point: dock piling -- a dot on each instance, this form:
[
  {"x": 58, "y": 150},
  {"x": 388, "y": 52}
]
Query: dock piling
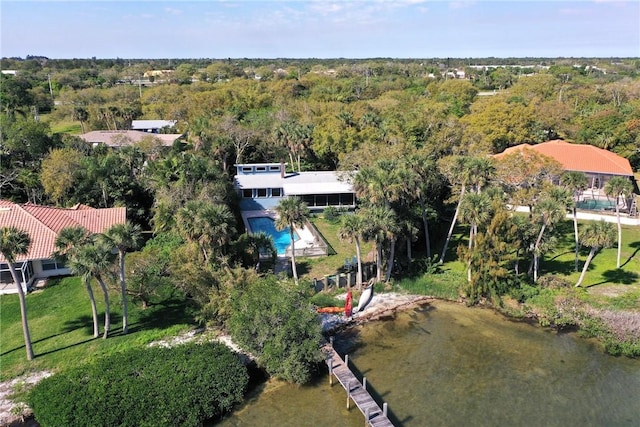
[{"x": 375, "y": 416}]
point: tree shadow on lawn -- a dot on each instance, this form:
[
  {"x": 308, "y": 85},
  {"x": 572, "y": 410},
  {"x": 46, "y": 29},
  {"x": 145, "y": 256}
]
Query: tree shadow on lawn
[
  {"x": 172, "y": 311},
  {"x": 44, "y": 353},
  {"x": 635, "y": 245},
  {"x": 619, "y": 276},
  {"x": 302, "y": 267},
  {"x": 561, "y": 254},
  {"x": 86, "y": 322},
  {"x": 556, "y": 266}
]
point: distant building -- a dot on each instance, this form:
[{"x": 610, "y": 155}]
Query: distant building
[
  {"x": 152, "y": 126},
  {"x": 120, "y": 138}
]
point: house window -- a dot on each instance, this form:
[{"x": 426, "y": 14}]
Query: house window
[
  {"x": 50, "y": 264},
  {"x": 276, "y": 192},
  {"x": 274, "y": 168},
  {"x": 262, "y": 192},
  {"x": 334, "y": 199},
  {"x": 247, "y": 169},
  {"x": 261, "y": 168},
  {"x": 247, "y": 193},
  {"x": 346, "y": 199}
]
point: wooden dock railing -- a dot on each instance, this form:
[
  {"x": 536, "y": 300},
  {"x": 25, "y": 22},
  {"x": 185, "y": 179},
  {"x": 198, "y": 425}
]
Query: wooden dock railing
[{"x": 374, "y": 416}]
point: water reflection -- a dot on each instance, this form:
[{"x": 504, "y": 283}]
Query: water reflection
[{"x": 448, "y": 365}]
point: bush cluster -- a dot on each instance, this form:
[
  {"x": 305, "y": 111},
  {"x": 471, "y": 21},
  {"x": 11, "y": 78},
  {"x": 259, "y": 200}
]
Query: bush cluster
[
  {"x": 273, "y": 320},
  {"x": 156, "y": 386}
]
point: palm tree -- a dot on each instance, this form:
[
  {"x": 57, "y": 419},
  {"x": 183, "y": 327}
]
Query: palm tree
[
  {"x": 209, "y": 225},
  {"x": 124, "y": 237},
  {"x": 89, "y": 260},
  {"x": 77, "y": 266},
  {"x": 380, "y": 226},
  {"x": 474, "y": 209},
  {"x": 68, "y": 240},
  {"x": 425, "y": 182},
  {"x": 82, "y": 115},
  {"x": 220, "y": 226},
  {"x": 596, "y": 235},
  {"x": 576, "y": 182},
  {"x": 13, "y": 243},
  {"x": 257, "y": 244},
  {"x": 618, "y": 186},
  {"x": 548, "y": 211},
  {"x": 465, "y": 171},
  {"x": 199, "y": 132},
  {"x": 292, "y": 212},
  {"x": 352, "y": 229}
]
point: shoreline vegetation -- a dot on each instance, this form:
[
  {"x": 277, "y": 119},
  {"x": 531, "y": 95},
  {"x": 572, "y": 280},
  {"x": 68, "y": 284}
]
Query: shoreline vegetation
[{"x": 605, "y": 325}]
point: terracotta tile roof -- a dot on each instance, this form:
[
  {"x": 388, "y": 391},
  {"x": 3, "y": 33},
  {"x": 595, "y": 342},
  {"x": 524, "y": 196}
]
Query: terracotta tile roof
[
  {"x": 43, "y": 223},
  {"x": 578, "y": 157}
]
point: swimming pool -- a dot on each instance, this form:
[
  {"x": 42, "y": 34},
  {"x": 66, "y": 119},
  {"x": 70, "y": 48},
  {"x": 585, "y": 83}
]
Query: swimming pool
[
  {"x": 281, "y": 238},
  {"x": 595, "y": 204}
]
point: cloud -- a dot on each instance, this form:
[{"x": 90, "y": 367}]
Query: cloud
[{"x": 172, "y": 11}]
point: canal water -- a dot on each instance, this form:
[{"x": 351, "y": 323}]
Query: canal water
[{"x": 448, "y": 365}]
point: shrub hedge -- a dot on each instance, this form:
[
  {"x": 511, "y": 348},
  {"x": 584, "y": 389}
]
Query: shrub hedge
[{"x": 154, "y": 386}]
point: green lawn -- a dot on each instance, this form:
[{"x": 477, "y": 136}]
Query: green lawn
[
  {"x": 65, "y": 126},
  {"x": 60, "y": 315},
  {"x": 321, "y": 266},
  {"x": 602, "y": 269},
  {"x": 62, "y": 330}
]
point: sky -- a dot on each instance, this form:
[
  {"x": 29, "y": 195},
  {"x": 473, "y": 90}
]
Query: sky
[{"x": 320, "y": 29}]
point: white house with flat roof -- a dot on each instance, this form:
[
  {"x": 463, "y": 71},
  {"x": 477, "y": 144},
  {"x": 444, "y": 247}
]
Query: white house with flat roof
[
  {"x": 261, "y": 186},
  {"x": 152, "y": 126}
]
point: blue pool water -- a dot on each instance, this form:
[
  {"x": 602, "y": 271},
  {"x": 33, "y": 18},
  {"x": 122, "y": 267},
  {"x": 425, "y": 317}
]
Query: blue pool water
[
  {"x": 595, "y": 204},
  {"x": 281, "y": 238}
]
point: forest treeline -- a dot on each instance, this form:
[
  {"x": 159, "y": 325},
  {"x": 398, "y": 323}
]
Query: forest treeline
[
  {"x": 317, "y": 114},
  {"x": 415, "y": 135}
]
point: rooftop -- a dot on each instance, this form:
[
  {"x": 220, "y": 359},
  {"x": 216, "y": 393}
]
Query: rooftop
[
  {"x": 299, "y": 183},
  {"x": 43, "y": 223},
  {"x": 119, "y": 138},
  {"x": 151, "y": 124},
  {"x": 578, "y": 157}
]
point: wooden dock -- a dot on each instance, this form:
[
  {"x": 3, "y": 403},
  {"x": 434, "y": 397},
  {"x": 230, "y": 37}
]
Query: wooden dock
[{"x": 374, "y": 416}]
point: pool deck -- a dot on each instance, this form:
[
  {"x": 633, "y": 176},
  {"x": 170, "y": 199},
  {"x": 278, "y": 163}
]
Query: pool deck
[{"x": 307, "y": 240}]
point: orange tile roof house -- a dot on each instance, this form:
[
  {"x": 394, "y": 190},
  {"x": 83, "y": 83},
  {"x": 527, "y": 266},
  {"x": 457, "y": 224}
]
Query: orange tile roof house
[
  {"x": 599, "y": 165},
  {"x": 43, "y": 224}
]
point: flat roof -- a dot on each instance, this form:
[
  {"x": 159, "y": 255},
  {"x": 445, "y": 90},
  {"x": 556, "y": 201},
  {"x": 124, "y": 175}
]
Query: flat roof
[{"x": 296, "y": 183}]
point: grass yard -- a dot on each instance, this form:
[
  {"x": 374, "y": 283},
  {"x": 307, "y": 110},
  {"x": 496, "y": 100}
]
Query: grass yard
[
  {"x": 60, "y": 315},
  {"x": 72, "y": 128},
  {"x": 321, "y": 266},
  {"x": 66, "y": 126},
  {"x": 602, "y": 269},
  {"x": 61, "y": 327}
]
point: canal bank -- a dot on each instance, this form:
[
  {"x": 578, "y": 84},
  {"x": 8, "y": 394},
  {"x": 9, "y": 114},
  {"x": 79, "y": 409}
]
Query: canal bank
[{"x": 444, "y": 364}]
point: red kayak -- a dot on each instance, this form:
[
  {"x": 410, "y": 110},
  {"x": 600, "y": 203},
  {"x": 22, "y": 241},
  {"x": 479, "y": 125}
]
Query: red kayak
[
  {"x": 330, "y": 309},
  {"x": 347, "y": 309}
]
